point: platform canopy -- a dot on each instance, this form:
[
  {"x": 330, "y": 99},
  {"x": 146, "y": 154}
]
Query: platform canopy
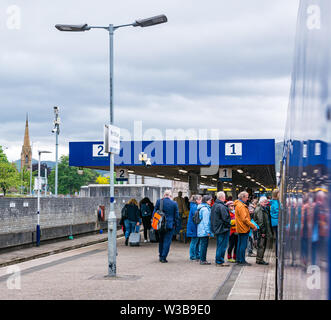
[{"x": 251, "y": 162}]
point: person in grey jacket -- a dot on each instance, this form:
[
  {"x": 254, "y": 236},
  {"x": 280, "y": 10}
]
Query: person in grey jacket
[{"x": 220, "y": 226}]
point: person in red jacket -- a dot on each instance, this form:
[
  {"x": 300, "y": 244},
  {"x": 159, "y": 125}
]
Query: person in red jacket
[{"x": 233, "y": 240}]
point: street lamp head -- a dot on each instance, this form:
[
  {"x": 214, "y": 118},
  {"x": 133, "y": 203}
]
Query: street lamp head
[
  {"x": 73, "y": 28},
  {"x": 43, "y": 151},
  {"x": 150, "y": 21}
]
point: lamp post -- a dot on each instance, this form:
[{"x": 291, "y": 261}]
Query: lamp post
[
  {"x": 112, "y": 225},
  {"x": 38, "y": 203},
  {"x": 56, "y": 130},
  {"x": 31, "y": 170}
]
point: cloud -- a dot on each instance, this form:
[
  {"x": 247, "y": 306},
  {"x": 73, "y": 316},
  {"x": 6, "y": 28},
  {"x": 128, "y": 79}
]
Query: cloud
[{"x": 215, "y": 64}]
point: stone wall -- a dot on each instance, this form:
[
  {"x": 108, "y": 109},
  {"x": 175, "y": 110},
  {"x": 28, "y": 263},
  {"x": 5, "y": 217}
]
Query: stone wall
[
  {"x": 61, "y": 217},
  {"x": 58, "y": 218}
]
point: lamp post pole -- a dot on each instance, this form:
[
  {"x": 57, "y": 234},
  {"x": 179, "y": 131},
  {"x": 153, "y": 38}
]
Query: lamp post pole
[
  {"x": 31, "y": 171},
  {"x": 112, "y": 222},
  {"x": 38, "y": 201}
]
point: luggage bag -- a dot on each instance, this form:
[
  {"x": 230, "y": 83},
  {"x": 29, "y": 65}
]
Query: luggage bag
[
  {"x": 134, "y": 239},
  {"x": 153, "y": 235}
]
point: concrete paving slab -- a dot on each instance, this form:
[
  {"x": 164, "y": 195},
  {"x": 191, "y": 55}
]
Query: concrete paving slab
[{"x": 73, "y": 270}]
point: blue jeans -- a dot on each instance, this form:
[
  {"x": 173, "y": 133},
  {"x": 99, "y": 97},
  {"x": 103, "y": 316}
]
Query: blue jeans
[
  {"x": 129, "y": 227},
  {"x": 241, "y": 247},
  {"x": 203, "y": 248},
  {"x": 222, "y": 244},
  {"x": 194, "y": 248},
  {"x": 165, "y": 239}
]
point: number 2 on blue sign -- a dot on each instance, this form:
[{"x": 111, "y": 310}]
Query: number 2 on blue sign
[{"x": 100, "y": 152}]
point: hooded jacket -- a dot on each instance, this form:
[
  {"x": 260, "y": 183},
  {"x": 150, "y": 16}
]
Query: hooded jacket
[
  {"x": 243, "y": 218},
  {"x": 204, "y": 226},
  {"x": 220, "y": 218}
]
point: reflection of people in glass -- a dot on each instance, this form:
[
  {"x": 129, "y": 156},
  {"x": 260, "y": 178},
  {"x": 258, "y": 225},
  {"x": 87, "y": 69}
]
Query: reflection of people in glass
[
  {"x": 298, "y": 225},
  {"x": 319, "y": 228},
  {"x": 304, "y": 230},
  {"x": 292, "y": 229}
]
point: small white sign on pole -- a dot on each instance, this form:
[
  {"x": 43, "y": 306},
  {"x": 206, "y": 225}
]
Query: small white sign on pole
[{"x": 112, "y": 142}]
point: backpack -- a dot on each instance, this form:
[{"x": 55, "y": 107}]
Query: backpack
[
  {"x": 159, "y": 220},
  {"x": 145, "y": 210},
  {"x": 196, "y": 217},
  {"x": 124, "y": 212}
]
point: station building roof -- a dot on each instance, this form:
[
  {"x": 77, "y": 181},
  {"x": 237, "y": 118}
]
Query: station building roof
[{"x": 252, "y": 160}]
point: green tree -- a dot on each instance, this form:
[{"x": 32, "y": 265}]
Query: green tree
[
  {"x": 3, "y": 157},
  {"x": 69, "y": 180},
  {"x": 9, "y": 176},
  {"x": 25, "y": 179}
]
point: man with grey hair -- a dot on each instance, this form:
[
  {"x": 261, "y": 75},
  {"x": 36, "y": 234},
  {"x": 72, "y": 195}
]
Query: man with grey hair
[
  {"x": 220, "y": 226},
  {"x": 262, "y": 219},
  {"x": 170, "y": 209}
]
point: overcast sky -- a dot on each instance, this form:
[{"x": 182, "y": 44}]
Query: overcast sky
[{"x": 216, "y": 64}]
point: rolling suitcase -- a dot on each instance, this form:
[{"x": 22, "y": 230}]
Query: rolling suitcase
[{"x": 134, "y": 239}]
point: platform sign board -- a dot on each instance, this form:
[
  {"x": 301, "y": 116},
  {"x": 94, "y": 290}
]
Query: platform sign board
[
  {"x": 98, "y": 150},
  {"x": 122, "y": 174},
  {"x": 225, "y": 174},
  {"x": 233, "y": 149},
  {"x": 225, "y": 153}
]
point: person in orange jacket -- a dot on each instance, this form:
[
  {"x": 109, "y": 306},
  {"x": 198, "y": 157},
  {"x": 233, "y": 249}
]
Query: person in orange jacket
[{"x": 243, "y": 224}]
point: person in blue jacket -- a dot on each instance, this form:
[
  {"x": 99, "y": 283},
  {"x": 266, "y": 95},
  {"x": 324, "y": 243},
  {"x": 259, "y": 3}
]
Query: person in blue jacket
[
  {"x": 204, "y": 227},
  {"x": 170, "y": 209},
  {"x": 192, "y": 229}
]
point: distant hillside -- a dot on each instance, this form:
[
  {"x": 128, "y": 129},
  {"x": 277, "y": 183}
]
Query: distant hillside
[{"x": 50, "y": 164}]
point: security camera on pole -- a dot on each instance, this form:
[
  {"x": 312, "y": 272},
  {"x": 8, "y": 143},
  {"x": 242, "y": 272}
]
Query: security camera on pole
[{"x": 56, "y": 130}]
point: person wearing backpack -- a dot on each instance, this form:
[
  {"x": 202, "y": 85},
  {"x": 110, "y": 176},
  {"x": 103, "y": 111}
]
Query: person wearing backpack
[
  {"x": 192, "y": 228},
  {"x": 171, "y": 213},
  {"x": 220, "y": 226},
  {"x": 131, "y": 217},
  {"x": 204, "y": 227},
  {"x": 146, "y": 209}
]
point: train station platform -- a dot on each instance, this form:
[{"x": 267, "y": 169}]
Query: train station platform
[{"x": 140, "y": 276}]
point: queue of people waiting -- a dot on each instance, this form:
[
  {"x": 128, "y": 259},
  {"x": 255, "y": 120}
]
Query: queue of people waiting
[{"x": 237, "y": 225}]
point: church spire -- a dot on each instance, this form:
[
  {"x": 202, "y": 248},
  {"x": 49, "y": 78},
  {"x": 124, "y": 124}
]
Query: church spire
[{"x": 26, "y": 154}]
